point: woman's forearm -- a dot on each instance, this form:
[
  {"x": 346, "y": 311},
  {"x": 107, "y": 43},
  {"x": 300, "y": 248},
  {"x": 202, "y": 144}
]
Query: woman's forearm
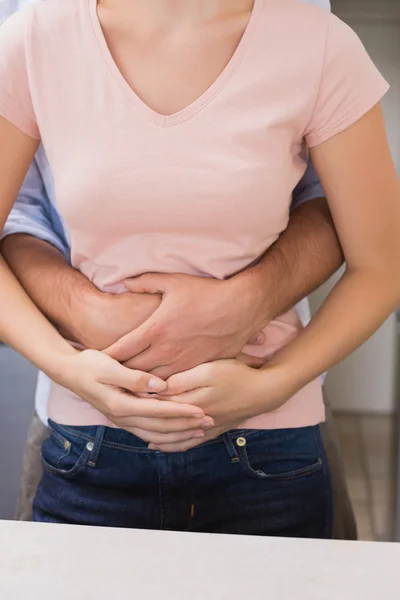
[
  {"x": 356, "y": 307},
  {"x": 23, "y": 327},
  {"x": 358, "y": 175}
]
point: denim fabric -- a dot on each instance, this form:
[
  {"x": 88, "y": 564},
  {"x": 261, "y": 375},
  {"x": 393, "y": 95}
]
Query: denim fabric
[{"x": 273, "y": 482}]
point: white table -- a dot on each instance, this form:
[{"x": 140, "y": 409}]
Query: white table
[{"x": 58, "y": 562}]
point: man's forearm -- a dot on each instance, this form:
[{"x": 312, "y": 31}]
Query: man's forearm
[
  {"x": 55, "y": 287},
  {"x": 302, "y": 259}
]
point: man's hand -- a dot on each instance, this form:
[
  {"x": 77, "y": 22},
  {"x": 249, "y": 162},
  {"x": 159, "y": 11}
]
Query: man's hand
[
  {"x": 201, "y": 320},
  {"x": 198, "y": 321},
  {"x": 101, "y": 319}
]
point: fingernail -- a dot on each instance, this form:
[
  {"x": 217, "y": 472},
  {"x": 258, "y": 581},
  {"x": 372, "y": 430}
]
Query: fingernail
[
  {"x": 198, "y": 435},
  {"x": 208, "y": 423},
  {"x": 260, "y": 338},
  {"x": 156, "y": 384},
  {"x": 152, "y": 447},
  {"x": 197, "y": 415}
]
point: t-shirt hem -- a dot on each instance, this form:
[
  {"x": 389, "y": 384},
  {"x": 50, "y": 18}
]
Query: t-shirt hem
[
  {"x": 286, "y": 420},
  {"x": 349, "y": 119}
]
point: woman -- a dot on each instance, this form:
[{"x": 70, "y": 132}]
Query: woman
[{"x": 179, "y": 109}]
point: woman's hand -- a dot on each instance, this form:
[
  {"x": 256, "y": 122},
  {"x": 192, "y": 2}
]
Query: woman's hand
[
  {"x": 189, "y": 444},
  {"x": 226, "y": 390},
  {"x": 110, "y": 388}
]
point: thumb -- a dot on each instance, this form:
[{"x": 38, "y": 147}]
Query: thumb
[
  {"x": 188, "y": 380},
  {"x": 151, "y": 283},
  {"x": 134, "y": 381},
  {"x": 131, "y": 344}
]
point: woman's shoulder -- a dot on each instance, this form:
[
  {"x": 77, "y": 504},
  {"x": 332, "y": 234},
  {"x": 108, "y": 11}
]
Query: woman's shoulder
[
  {"x": 43, "y": 30},
  {"x": 303, "y": 33},
  {"x": 297, "y": 13}
]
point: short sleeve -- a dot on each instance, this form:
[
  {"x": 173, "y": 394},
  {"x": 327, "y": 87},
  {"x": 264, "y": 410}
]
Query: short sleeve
[
  {"x": 15, "y": 97},
  {"x": 350, "y": 85}
]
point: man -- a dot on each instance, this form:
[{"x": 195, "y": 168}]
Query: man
[{"x": 159, "y": 326}]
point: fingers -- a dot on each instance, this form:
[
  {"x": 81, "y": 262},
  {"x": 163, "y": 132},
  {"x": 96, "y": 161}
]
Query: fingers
[
  {"x": 124, "y": 405},
  {"x": 166, "y": 371},
  {"x": 180, "y": 446},
  {"x": 134, "y": 381},
  {"x": 171, "y": 426},
  {"x": 184, "y": 446},
  {"x": 178, "y": 437},
  {"x": 147, "y": 361},
  {"x": 194, "y": 397},
  {"x": 151, "y": 283},
  {"x": 200, "y": 376},
  {"x": 131, "y": 344},
  {"x": 251, "y": 361}
]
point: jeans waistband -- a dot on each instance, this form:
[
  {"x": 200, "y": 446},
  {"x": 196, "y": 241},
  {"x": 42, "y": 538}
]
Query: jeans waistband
[{"x": 120, "y": 438}]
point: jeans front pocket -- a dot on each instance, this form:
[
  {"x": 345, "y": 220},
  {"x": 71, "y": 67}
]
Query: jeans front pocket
[
  {"x": 280, "y": 455},
  {"x": 277, "y": 483},
  {"x": 64, "y": 454}
]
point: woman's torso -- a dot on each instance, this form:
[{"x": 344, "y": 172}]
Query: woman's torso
[{"x": 204, "y": 191}]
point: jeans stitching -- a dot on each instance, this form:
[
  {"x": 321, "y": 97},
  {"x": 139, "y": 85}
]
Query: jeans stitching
[
  {"x": 90, "y": 438},
  {"x": 309, "y": 470},
  {"x": 81, "y": 462},
  {"x": 314, "y": 468},
  {"x": 65, "y": 444},
  {"x": 94, "y": 454},
  {"x": 58, "y": 436},
  {"x": 230, "y": 448}
]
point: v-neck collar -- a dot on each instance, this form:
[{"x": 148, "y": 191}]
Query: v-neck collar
[{"x": 195, "y": 106}]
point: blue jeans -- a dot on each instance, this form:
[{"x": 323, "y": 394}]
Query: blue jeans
[{"x": 273, "y": 482}]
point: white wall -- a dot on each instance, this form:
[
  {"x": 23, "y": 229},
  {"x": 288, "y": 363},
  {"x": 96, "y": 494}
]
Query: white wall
[{"x": 366, "y": 380}]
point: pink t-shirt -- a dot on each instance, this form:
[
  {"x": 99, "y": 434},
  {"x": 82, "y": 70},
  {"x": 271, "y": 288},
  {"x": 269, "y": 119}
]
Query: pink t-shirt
[{"x": 205, "y": 191}]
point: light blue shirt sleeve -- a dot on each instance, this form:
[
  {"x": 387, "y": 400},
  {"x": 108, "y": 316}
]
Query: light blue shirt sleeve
[
  {"x": 34, "y": 212},
  {"x": 8, "y": 7},
  {"x": 308, "y": 188},
  {"x": 325, "y": 4}
]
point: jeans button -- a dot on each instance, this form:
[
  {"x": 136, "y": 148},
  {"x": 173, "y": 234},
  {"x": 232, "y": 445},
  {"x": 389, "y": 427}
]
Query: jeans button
[
  {"x": 241, "y": 441},
  {"x": 89, "y": 446}
]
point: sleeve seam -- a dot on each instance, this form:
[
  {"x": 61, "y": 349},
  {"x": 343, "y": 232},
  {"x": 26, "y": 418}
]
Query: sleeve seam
[
  {"x": 25, "y": 125},
  {"x": 346, "y": 120},
  {"x": 38, "y": 233}
]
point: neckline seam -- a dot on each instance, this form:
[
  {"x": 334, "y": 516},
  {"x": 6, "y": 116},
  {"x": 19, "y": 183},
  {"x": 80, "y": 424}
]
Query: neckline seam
[{"x": 186, "y": 113}]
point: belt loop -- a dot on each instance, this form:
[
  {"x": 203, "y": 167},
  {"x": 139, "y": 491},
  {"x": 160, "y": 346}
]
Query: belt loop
[
  {"x": 230, "y": 448},
  {"x": 95, "y": 451}
]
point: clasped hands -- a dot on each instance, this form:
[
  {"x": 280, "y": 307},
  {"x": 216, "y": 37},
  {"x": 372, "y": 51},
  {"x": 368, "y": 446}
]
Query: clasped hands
[{"x": 174, "y": 381}]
